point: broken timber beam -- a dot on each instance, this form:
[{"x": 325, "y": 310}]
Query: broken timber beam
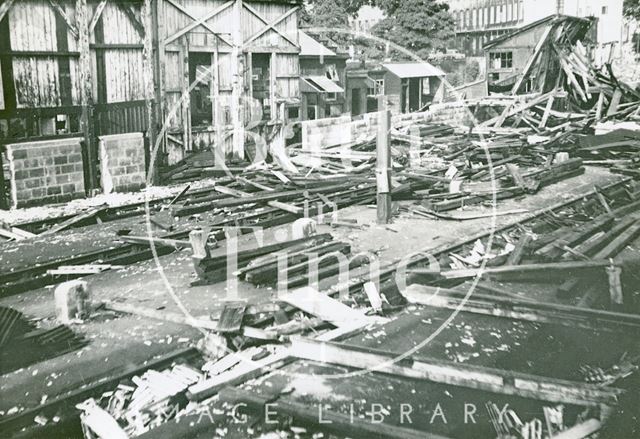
[
  {"x": 456, "y": 374},
  {"x": 527, "y": 271},
  {"x": 206, "y": 389},
  {"x": 502, "y": 303},
  {"x": 330, "y": 421}
]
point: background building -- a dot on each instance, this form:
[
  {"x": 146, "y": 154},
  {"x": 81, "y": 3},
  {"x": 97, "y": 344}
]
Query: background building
[
  {"x": 479, "y": 21},
  {"x": 368, "y": 16}
]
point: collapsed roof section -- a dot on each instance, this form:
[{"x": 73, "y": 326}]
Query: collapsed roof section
[{"x": 561, "y": 43}]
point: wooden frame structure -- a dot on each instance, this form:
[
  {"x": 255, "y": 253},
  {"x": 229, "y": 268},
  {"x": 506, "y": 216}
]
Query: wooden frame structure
[
  {"x": 232, "y": 34},
  {"x": 85, "y": 68},
  {"x": 76, "y": 68}
]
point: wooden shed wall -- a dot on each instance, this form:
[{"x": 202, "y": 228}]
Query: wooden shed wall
[
  {"x": 124, "y": 70},
  {"x": 37, "y": 79},
  {"x": 176, "y": 17}
]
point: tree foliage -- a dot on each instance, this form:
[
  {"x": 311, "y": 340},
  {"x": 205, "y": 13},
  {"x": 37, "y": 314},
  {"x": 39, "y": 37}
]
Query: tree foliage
[
  {"x": 632, "y": 9},
  {"x": 328, "y": 14},
  {"x": 421, "y": 26}
]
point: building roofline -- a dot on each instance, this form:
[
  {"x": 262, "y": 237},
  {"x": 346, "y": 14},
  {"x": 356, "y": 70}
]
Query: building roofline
[{"x": 550, "y": 18}]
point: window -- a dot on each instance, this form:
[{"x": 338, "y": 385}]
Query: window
[
  {"x": 501, "y": 60},
  {"x": 331, "y": 72},
  {"x": 293, "y": 112},
  {"x": 521, "y": 10},
  {"x": 331, "y": 96},
  {"x": 604, "y": 10},
  {"x": 378, "y": 89},
  {"x": 426, "y": 86}
]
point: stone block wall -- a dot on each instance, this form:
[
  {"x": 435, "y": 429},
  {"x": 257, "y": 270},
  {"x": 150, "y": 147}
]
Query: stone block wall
[
  {"x": 48, "y": 171},
  {"x": 122, "y": 162}
]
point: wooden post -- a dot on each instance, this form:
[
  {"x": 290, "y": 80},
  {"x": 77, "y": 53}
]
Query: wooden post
[
  {"x": 272, "y": 86},
  {"x": 218, "y": 147},
  {"x": 383, "y": 166},
  {"x": 160, "y": 34},
  {"x": 3, "y": 188},
  {"x": 86, "y": 98},
  {"x": 198, "y": 239},
  {"x": 237, "y": 72},
  {"x": 147, "y": 66},
  {"x": 185, "y": 97}
]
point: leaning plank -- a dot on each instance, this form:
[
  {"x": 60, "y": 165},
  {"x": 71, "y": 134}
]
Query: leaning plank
[
  {"x": 320, "y": 305},
  {"x": 457, "y": 374},
  {"x": 525, "y": 271},
  {"x": 149, "y": 240},
  {"x": 15, "y": 233},
  {"x": 532, "y": 59},
  {"x": 620, "y": 242},
  {"x": 165, "y": 316},
  {"x": 331, "y": 421},
  {"x": 518, "y": 308},
  {"x": 72, "y": 221},
  {"x": 182, "y": 319},
  {"x": 580, "y": 431}
]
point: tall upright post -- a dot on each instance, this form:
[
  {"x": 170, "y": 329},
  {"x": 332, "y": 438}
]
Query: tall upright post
[
  {"x": 149, "y": 92},
  {"x": 86, "y": 99},
  {"x": 237, "y": 70},
  {"x": 383, "y": 164}
]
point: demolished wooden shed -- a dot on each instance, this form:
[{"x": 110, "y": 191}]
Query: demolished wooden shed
[{"x": 190, "y": 74}]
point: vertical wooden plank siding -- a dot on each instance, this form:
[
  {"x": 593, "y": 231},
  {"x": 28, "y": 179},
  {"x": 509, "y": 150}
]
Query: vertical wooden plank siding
[{"x": 64, "y": 67}]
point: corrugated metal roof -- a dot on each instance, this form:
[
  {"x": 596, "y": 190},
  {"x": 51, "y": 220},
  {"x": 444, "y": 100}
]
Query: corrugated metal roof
[
  {"x": 413, "y": 70},
  {"x": 323, "y": 84},
  {"x": 311, "y": 47}
]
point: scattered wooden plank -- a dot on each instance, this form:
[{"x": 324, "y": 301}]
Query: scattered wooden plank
[
  {"x": 620, "y": 242},
  {"x": 72, "y": 221},
  {"x": 330, "y": 421},
  {"x": 457, "y": 374},
  {"x": 80, "y": 269},
  {"x": 161, "y": 242},
  {"x": 615, "y": 102},
  {"x": 583, "y": 430},
  {"x": 309, "y": 300},
  {"x": 231, "y": 317},
  {"x": 166, "y": 316},
  {"x": 15, "y": 233},
  {"x": 373, "y": 295},
  {"x": 254, "y": 369},
  {"x": 521, "y": 246},
  {"x": 255, "y": 184}
]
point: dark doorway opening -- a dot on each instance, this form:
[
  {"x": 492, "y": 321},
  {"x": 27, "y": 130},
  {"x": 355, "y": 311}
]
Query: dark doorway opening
[
  {"x": 201, "y": 76},
  {"x": 260, "y": 81}
]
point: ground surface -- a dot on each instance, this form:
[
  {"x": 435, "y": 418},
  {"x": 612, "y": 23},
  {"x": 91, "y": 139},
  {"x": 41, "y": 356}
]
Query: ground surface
[{"x": 117, "y": 341}]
